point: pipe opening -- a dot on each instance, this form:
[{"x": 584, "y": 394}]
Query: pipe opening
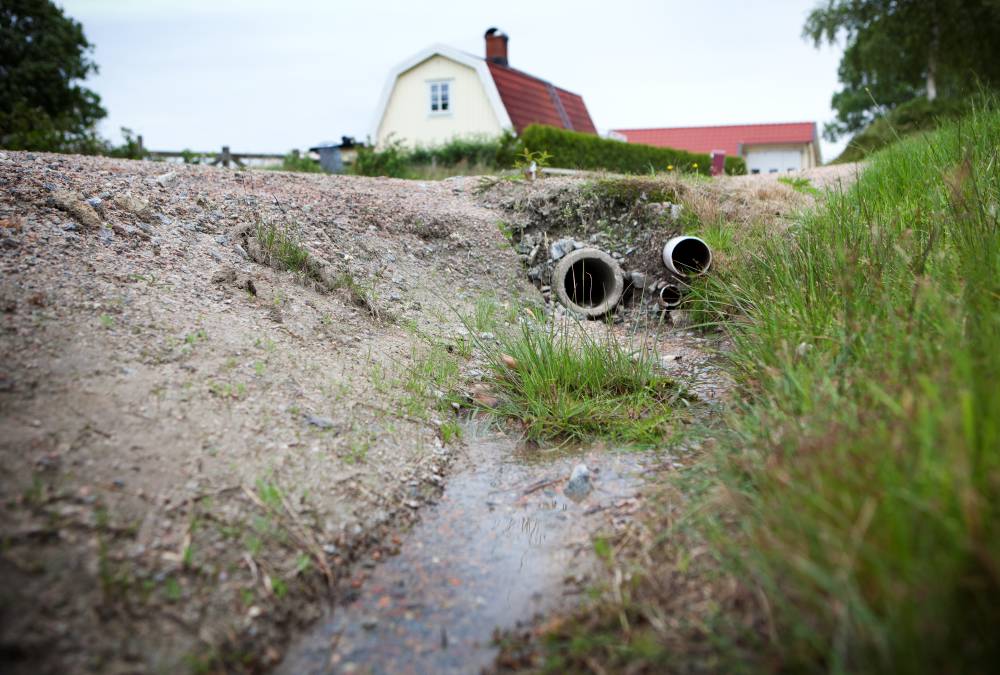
[
  {"x": 588, "y": 282},
  {"x": 687, "y": 256},
  {"x": 670, "y": 296}
]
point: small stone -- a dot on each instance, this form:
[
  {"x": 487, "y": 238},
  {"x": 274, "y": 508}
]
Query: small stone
[
  {"x": 321, "y": 422},
  {"x": 167, "y": 179},
  {"x": 369, "y": 624},
  {"x": 579, "y": 485},
  {"x": 638, "y": 279},
  {"x": 561, "y": 247}
]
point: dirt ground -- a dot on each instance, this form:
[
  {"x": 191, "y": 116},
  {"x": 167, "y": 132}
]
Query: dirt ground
[
  {"x": 184, "y": 463},
  {"x": 199, "y": 451}
]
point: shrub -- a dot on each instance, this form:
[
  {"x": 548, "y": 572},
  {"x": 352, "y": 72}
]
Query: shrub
[
  {"x": 392, "y": 161},
  {"x": 480, "y": 150},
  {"x": 296, "y": 161},
  {"x": 574, "y": 150}
]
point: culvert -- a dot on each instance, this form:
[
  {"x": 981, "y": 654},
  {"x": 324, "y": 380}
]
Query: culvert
[
  {"x": 589, "y": 282},
  {"x": 687, "y": 256}
]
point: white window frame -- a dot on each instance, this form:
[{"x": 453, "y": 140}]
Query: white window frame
[{"x": 434, "y": 89}]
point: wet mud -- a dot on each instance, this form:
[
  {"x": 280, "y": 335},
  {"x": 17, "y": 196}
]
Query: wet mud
[{"x": 505, "y": 542}]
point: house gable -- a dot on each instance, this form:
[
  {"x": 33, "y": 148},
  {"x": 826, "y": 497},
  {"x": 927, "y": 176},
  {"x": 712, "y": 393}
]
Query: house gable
[{"x": 476, "y": 107}]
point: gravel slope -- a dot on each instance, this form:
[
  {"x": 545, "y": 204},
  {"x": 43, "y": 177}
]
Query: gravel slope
[{"x": 197, "y": 449}]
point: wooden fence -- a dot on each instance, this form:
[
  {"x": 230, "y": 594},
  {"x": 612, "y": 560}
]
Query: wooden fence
[{"x": 225, "y": 157}]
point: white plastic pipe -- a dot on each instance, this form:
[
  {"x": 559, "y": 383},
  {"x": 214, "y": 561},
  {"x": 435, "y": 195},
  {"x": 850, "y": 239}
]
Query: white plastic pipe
[
  {"x": 670, "y": 296},
  {"x": 687, "y": 256}
]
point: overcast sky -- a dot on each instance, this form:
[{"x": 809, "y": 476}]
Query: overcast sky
[{"x": 271, "y": 75}]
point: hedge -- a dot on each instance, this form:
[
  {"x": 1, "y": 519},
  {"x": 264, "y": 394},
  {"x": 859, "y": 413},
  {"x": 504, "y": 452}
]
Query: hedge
[{"x": 574, "y": 150}]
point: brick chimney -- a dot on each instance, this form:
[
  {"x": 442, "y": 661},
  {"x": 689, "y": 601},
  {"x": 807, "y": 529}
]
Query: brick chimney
[{"x": 496, "y": 46}]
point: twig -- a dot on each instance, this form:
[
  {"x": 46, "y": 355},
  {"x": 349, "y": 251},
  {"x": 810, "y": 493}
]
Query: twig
[{"x": 544, "y": 483}]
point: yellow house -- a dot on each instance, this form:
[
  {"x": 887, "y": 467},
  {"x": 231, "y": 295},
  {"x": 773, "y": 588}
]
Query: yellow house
[{"x": 441, "y": 92}]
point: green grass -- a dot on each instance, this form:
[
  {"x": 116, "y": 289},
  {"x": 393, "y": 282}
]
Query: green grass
[
  {"x": 848, "y": 518},
  {"x": 282, "y": 248},
  {"x": 568, "y": 385},
  {"x": 867, "y": 467}
]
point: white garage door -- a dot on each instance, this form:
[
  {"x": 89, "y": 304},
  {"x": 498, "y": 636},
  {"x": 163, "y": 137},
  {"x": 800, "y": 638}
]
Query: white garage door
[{"x": 773, "y": 161}]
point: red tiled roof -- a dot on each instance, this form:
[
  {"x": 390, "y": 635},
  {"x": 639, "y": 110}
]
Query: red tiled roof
[
  {"x": 529, "y": 100},
  {"x": 728, "y": 138}
]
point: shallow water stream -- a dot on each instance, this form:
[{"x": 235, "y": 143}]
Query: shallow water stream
[{"x": 497, "y": 548}]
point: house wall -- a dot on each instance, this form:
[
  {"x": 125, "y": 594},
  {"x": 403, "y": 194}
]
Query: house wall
[
  {"x": 764, "y": 158},
  {"x": 408, "y": 118}
]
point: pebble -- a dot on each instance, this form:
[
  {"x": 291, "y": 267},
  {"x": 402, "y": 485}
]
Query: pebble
[
  {"x": 561, "y": 247},
  {"x": 579, "y": 485},
  {"x": 167, "y": 179},
  {"x": 321, "y": 422}
]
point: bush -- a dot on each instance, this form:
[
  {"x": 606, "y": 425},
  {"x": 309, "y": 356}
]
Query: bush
[
  {"x": 392, "y": 161},
  {"x": 296, "y": 161},
  {"x": 494, "y": 152},
  {"x": 574, "y": 150}
]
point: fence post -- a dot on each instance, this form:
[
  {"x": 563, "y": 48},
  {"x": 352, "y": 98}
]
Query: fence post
[{"x": 225, "y": 157}]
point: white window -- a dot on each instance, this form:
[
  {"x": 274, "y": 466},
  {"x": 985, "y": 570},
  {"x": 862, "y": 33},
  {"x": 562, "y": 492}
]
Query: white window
[{"x": 440, "y": 95}]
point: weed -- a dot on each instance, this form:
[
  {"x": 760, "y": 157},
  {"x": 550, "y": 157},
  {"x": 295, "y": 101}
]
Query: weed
[
  {"x": 172, "y": 590},
  {"x": 281, "y": 247},
  {"x": 800, "y": 184},
  {"x": 269, "y": 493},
  {"x": 484, "y": 317},
  {"x": 361, "y": 295},
  {"x": 450, "y": 431},
  {"x": 194, "y": 338},
  {"x": 107, "y": 321},
  {"x": 573, "y": 386}
]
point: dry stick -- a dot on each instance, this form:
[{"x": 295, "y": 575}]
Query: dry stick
[{"x": 544, "y": 483}]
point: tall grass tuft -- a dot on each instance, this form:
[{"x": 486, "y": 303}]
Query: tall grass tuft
[
  {"x": 566, "y": 384},
  {"x": 865, "y": 467}
]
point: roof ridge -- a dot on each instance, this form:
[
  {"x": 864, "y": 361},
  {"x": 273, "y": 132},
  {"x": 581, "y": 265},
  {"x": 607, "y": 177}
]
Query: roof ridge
[
  {"x": 715, "y": 126},
  {"x": 557, "y": 101}
]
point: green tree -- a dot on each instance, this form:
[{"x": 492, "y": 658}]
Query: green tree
[
  {"x": 43, "y": 57},
  {"x": 899, "y": 50}
]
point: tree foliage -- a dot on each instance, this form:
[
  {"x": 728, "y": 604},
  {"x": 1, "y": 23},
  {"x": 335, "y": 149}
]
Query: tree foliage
[
  {"x": 898, "y": 50},
  {"x": 44, "y": 56}
]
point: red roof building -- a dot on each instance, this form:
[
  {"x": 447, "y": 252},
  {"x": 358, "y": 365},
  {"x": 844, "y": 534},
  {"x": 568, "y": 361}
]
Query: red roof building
[
  {"x": 767, "y": 148},
  {"x": 442, "y": 93}
]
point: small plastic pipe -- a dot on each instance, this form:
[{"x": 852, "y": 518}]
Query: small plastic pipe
[
  {"x": 687, "y": 256},
  {"x": 670, "y": 296}
]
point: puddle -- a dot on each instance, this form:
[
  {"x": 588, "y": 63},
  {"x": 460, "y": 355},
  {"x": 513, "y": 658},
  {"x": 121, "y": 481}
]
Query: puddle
[{"x": 497, "y": 548}]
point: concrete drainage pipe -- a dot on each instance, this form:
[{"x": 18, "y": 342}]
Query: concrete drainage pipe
[
  {"x": 687, "y": 256},
  {"x": 589, "y": 282}
]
